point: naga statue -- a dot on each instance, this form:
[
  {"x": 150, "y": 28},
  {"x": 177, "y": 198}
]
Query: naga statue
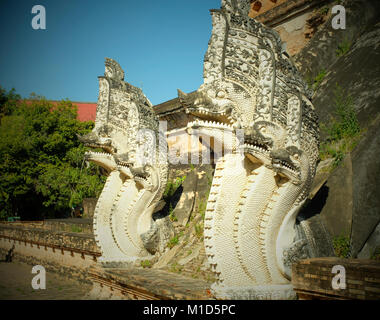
[
  {"x": 134, "y": 156},
  {"x": 251, "y": 85},
  {"x": 253, "y": 93}
]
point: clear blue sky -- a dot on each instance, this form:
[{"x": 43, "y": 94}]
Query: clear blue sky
[{"x": 159, "y": 44}]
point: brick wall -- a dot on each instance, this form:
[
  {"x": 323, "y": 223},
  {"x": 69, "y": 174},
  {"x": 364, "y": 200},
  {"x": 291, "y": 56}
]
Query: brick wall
[{"x": 312, "y": 279}]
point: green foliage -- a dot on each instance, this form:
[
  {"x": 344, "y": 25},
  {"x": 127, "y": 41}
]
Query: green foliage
[
  {"x": 343, "y": 131},
  {"x": 318, "y": 79},
  {"x": 315, "y": 82},
  {"x": 202, "y": 207},
  {"x": 67, "y": 183},
  {"x": 347, "y": 124},
  {"x": 172, "y": 186},
  {"x": 172, "y": 216},
  {"x": 173, "y": 241},
  {"x": 343, "y": 48},
  {"x": 8, "y": 101},
  {"x": 209, "y": 181},
  {"x": 324, "y": 10},
  {"x": 376, "y": 254},
  {"x": 175, "y": 267},
  {"x": 42, "y": 168},
  {"x": 76, "y": 229},
  {"x": 342, "y": 246},
  {"x": 146, "y": 264},
  {"x": 198, "y": 230}
]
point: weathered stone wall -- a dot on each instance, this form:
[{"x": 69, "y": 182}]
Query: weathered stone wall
[
  {"x": 79, "y": 241},
  {"x": 67, "y": 253},
  {"x": 320, "y": 52},
  {"x": 75, "y": 225},
  {"x": 349, "y": 203},
  {"x": 89, "y": 205},
  {"x": 71, "y": 266},
  {"x": 352, "y": 204},
  {"x": 262, "y": 6},
  {"x": 295, "y": 20},
  {"x": 312, "y": 279}
]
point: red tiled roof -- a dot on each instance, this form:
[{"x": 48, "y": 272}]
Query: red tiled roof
[{"x": 86, "y": 111}]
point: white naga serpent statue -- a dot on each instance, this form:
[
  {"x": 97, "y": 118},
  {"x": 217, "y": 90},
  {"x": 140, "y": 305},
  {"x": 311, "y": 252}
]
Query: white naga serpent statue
[
  {"x": 125, "y": 123},
  {"x": 258, "y": 188},
  {"x": 250, "y": 84}
]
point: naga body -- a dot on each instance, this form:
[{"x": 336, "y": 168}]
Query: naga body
[
  {"x": 134, "y": 156},
  {"x": 252, "y": 87}
]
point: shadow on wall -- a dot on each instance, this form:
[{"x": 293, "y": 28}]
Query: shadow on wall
[
  {"x": 314, "y": 206},
  {"x": 170, "y": 204}
]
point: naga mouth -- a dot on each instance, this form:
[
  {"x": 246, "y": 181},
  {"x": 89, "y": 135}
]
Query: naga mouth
[
  {"x": 93, "y": 140},
  {"x": 108, "y": 148},
  {"x": 138, "y": 173},
  {"x": 257, "y": 146},
  {"x": 286, "y": 169},
  {"x": 145, "y": 177},
  {"x": 208, "y": 124},
  {"x": 205, "y": 108},
  {"x": 146, "y": 184},
  {"x": 90, "y": 155},
  {"x": 257, "y": 153},
  {"x": 283, "y": 164},
  {"x": 103, "y": 159},
  {"x": 202, "y": 113},
  {"x": 261, "y": 143},
  {"x": 123, "y": 160}
]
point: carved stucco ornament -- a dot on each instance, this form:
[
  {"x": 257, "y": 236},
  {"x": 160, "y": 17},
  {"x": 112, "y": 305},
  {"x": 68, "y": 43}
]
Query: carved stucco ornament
[
  {"x": 251, "y": 84},
  {"x": 125, "y": 124}
]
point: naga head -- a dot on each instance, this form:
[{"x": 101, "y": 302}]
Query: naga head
[
  {"x": 124, "y": 129},
  {"x": 251, "y": 84},
  {"x": 113, "y": 70}
]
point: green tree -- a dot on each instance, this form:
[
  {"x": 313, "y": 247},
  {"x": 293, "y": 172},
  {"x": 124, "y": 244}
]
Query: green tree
[
  {"x": 8, "y": 101},
  {"x": 42, "y": 170}
]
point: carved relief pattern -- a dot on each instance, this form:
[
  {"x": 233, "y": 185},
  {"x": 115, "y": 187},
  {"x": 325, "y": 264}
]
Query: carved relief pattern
[
  {"x": 263, "y": 109},
  {"x": 213, "y": 59},
  {"x": 249, "y": 230},
  {"x": 103, "y": 102},
  {"x": 293, "y": 121}
]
